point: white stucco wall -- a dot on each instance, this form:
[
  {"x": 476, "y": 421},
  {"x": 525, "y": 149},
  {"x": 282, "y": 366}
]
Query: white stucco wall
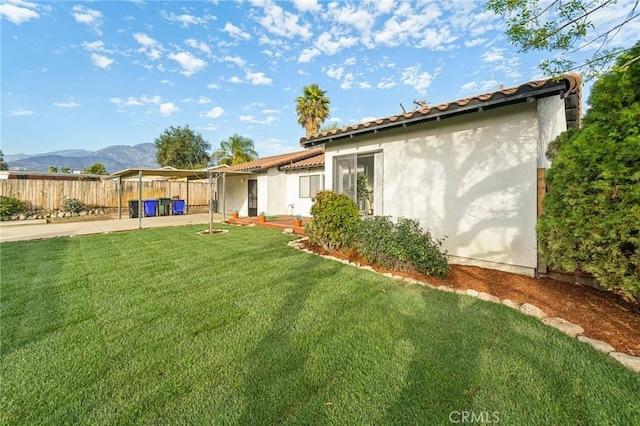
[
  {"x": 471, "y": 178},
  {"x": 236, "y": 197},
  {"x": 276, "y": 182},
  {"x": 301, "y": 206},
  {"x": 551, "y": 122}
]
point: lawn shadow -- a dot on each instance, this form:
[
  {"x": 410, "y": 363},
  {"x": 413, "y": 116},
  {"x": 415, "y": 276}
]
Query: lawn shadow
[
  {"x": 32, "y": 311},
  {"x": 441, "y": 380},
  {"x": 276, "y": 379}
]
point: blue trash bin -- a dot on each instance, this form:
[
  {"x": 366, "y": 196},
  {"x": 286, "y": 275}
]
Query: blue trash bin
[
  {"x": 177, "y": 206},
  {"x": 150, "y": 207}
]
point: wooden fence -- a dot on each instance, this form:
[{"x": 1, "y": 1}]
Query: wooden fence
[{"x": 46, "y": 194}]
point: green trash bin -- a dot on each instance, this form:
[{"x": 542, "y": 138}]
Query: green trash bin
[
  {"x": 164, "y": 206},
  {"x": 133, "y": 208}
]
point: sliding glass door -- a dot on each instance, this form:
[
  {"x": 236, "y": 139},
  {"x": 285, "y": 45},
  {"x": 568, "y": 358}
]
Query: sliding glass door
[{"x": 359, "y": 176}]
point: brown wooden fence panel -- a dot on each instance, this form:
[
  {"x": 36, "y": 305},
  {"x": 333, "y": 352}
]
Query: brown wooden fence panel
[{"x": 45, "y": 194}]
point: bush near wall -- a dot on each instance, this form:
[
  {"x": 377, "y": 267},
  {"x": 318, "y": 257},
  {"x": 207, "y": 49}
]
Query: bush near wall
[
  {"x": 335, "y": 221},
  {"x": 9, "y": 206},
  {"x": 401, "y": 246},
  {"x": 591, "y": 216},
  {"x": 398, "y": 246}
]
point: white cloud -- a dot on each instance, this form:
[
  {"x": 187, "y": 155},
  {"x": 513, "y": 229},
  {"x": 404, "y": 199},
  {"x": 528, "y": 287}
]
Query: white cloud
[
  {"x": 89, "y": 17},
  {"x": 382, "y": 6},
  {"x": 253, "y": 106},
  {"x": 168, "y": 108},
  {"x": 150, "y": 47},
  {"x": 307, "y": 55},
  {"x": 253, "y": 120},
  {"x": 68, "y": 104},
  {"x": 95, "y": 46},
  {"x": 489, "y": 85},
  {"x": 386, "y": 83},
  {"x": 20, "y": 112},
  {"x": 272, "y": 54},
  {"x": 140, "y": 101},
  {"x": 364, "y": 85},
  {"x": 493, "y": 55},
  {"x": 204, "y": 100},
  {"x": 20, "y": 13},
  {"x": 213, "y": 86},
  {"x": 348, "y": 15},
  {"x": 347, "y": 82},
  {"x": 307, "y": 5},
  {"x": 200, "y": 45},
  {"x": 235, "y": 32},
  {"x": 412, "y": 76},
  {"x": 151, "y": 99},
  {"x": 409, "y": 24},
  {"x": 189, "y": 63},
  {"x": 335, "y": 72},
  {"x": 214, "y": 112},
  {"x": 101, "y": 61},
  {"x": 185, "y": 19},
  {"x": 437, "y": 39},
  {"x": 474, "y": 42},
  {"x": 236, "y": 60},
  {"x": 131, "y": 101},
  {"x": 235, "y": 80},
  {"x": 326, "y": 45},
  {"x": 284, "y": 24},
  {"x": 509, "y": 68},
  {"x": 258, "y": 79},
  {"x": 350, "y": 61},
  {"x": 471, "y": 86},
  {"x": 272, "y": 42}
]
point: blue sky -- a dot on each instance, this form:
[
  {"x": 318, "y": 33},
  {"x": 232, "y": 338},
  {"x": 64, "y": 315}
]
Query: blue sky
[{"x": 86, "y": 75}]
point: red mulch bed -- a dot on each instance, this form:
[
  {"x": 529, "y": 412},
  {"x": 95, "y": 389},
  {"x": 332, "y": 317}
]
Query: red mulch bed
[{"x": 604, "y": 315}]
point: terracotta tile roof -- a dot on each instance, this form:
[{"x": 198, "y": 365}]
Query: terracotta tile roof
[
  {"x": 307, "y": 163},
  {"x": 569, "y": 85},
  {"x": 262, "y": 164}
]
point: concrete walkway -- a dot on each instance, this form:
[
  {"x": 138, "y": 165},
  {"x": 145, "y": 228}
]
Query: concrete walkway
[{"x": 39, "y": 229}]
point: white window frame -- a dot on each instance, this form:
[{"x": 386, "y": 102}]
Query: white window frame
[{"x": 305, "y": 187}]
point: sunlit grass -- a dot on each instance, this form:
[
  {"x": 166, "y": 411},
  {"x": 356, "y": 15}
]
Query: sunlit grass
[{"x": 163, "y": 326}]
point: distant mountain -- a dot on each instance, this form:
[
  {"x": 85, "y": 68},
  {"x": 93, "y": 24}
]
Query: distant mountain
[{"x": 114, "y": 158}]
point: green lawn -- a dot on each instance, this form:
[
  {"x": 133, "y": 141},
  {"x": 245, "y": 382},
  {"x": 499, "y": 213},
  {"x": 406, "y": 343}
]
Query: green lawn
[{"x": 163, "y": 326}]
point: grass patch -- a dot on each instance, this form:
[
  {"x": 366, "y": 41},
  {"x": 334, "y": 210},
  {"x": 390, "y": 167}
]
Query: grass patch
[{"x": 162, "y": 326}]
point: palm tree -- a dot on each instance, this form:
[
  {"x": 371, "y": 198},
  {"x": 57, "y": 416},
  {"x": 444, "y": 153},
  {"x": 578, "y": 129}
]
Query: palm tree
[
  {"x": 235, "y": 150},
  {"x": 312, "y": 108}
]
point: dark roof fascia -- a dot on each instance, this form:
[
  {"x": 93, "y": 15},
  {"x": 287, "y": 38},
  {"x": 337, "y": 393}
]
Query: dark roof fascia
[
  {"x": 314, "y": 166},
  {"x": 527, "y": 94}
]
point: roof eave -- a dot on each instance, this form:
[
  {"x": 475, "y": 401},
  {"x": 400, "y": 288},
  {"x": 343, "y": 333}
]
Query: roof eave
[{"x": 418, "y": 118}]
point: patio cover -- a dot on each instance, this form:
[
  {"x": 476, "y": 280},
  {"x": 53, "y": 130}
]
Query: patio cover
[{"x": 210, "y": 173}]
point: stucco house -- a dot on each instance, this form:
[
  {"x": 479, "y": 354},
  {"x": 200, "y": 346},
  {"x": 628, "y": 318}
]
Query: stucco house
[
  {"x": 470, "y": 170},
  {"x": 277, "y": 185}
]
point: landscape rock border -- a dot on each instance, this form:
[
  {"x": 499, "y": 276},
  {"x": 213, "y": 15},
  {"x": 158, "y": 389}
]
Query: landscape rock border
[
  {"x": 569, "y": 328},
  {"x": 29, "y": 215}
]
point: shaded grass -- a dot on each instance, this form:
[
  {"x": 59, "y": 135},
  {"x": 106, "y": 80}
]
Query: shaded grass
[{"x": 162, "y": 326}]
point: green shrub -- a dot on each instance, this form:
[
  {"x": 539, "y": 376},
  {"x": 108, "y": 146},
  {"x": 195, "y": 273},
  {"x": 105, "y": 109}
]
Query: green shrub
[
  {"x": 9, "y": 206},
  {"x": 401, "y": 246},
  {"x": 71, "y": 205},
  {"x": 334, "y": 221},
  {"x": 591, "y": 218}
]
